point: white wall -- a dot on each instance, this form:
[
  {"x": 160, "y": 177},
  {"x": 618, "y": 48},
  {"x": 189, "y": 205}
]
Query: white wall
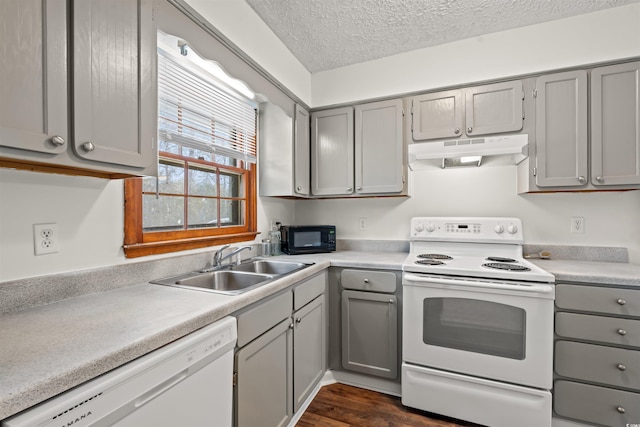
[
  {"x": 595, "y": 37},
  {"x": 611, "y": 218},
  {"x": 90, "y": 218},
  {"x": 240, "y": 24}
]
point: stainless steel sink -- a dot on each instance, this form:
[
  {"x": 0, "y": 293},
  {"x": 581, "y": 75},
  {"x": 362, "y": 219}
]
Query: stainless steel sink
[
  {"x": 233, "y": 279},
  {"x": 269, "y": 267}
]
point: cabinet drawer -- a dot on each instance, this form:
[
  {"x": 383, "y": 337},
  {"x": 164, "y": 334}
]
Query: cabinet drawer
[
  {"x": 606, "y": 365},
  {"x": 617, "y": 301},
  {"x": 594, "y": 404},
  {"x": 366, "y": 280},
  {"x": 611, "y": 330},
  {"x": 258, "y": 320},
  {"x": 305, "y": 292}
]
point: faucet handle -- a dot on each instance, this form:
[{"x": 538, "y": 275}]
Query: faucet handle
[{"x": 217, "y": 257}]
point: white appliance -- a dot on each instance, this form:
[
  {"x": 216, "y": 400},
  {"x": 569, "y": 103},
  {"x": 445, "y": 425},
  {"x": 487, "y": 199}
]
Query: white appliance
[
  {"x": 185, "y": 383},
  {"x": 477, "y": 323}
]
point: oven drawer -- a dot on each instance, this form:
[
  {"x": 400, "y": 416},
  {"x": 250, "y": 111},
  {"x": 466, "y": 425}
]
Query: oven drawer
[
  {"x": 596, "y": 363},
  {"x": 366, "y": 280},
  {"x": 610, "y": 330},
  {"x": 617, "y": 301},
  {"x": 594, "y": 404}
]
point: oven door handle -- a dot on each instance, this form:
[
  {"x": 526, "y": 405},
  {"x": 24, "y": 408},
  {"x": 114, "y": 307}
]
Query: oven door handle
[{"x": 530, "y": 288}]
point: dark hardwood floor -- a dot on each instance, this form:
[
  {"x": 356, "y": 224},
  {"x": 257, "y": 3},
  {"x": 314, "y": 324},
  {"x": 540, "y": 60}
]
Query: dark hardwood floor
[{"x": 340, "y": 405}]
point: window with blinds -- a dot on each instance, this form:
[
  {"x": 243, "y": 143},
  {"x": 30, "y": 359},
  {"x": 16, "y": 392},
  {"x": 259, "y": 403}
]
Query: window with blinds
[{"x": 204, "y": 193}]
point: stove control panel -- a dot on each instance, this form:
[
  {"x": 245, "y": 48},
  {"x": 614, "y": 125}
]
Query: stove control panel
[{"x": 467, "y": 229}]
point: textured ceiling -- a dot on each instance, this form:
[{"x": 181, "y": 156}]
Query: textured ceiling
[{"x": 326, "y": 34}]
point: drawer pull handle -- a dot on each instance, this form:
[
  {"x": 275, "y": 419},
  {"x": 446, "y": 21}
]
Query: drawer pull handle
[
  {"x": 298, "y": 320},
  {"x": 621, "y": 367},
  {"x": 621, "y": 301},
  {"x": 622, "y": 332},
  {"x": 621, "y": 410},
  {"x": 390, "y": 301},
  {"x": 366, "y": 280}
]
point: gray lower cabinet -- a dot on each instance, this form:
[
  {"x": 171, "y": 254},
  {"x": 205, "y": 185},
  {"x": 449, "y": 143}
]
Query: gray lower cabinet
[
  {"x": 597, "y": 354},
  {"x": 474, "y": 111},
  {"x": 281, "y": 356},
  {"x": 369, "y": 333},
  {"x": 111, "y": 78}
]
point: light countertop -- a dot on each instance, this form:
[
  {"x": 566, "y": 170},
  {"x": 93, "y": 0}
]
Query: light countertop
[{"x": 48, "y": 349}]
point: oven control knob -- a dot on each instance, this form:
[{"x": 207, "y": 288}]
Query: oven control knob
[
  {"x": 512, "y": 229},
  {"x": 499, "y": 229},
  {"x": 419, "y": 227},
  {"x": 431, "y": 228}
]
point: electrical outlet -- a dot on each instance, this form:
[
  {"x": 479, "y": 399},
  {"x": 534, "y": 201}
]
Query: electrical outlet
[
  {"x": 362, "y": 223},
  {"x": 577, "y": 224},
  {"x": 45, "y": 238},
  {"x": 274, "y": 225}
]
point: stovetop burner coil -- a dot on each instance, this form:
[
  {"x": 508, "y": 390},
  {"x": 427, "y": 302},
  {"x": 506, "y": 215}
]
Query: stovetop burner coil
[
  {"x": 429, "y": 261},
  {"x": 435, "y": 256},
  {"x": 503, "y": 266},
  {"x": 500, "y": 259}
]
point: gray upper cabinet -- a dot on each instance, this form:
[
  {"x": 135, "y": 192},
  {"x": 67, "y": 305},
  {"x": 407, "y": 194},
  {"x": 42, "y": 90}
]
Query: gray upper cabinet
[
  {"x": 438, "y": 115},
  {"x": 474, "y": 111},
  {"x": 332, "y": 151},
  {"x": 494, "y": 108},
  {"x": 284, "y": 152},
  {"x": 379, "y": 165},
  {"x": 561, "y": 129},
  {"x": 615, "y": 125},
  {"x": 113, "y": 82},
  {"x": 111, "y": 78},
  {"x": 33, "y": 65}
]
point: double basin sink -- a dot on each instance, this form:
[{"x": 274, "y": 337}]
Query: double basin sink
[{"x": 234, "y": 279}]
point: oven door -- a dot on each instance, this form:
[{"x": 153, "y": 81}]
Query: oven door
[{"x": 500, "y": 331}]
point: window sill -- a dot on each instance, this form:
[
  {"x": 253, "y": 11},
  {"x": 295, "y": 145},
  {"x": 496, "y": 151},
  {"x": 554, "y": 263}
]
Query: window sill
[{"x": 163, "y": 247}]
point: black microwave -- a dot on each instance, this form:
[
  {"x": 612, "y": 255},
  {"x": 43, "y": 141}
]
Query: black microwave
[{"x": 308, "y": 239}]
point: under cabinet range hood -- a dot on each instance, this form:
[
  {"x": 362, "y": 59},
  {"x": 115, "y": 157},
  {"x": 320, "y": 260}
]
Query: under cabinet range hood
[{"x": 514, "y": 145}]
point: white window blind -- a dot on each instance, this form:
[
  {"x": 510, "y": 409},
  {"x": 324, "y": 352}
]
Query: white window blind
[{"x": 196, "y": 111}]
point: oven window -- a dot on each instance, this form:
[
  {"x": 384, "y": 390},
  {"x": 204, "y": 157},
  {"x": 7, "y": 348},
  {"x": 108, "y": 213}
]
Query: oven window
[{"x": 478, "y": 326}]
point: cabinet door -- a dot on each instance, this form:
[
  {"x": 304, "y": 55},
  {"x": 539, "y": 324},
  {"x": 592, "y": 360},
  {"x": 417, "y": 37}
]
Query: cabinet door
[
  {"x": 379, "y": 148},
  {"x": 308, "y": 350},
  {"x": 615, "y": 125},
  {"x": 264, "y": 379},
  {"x": 494, "y": 108},
  {"x": 369, "y": 333},
  {"x": 301, "y": 152},
  {"x": 332, "y": 152},
  {"x": 114, "y": 82},
  {"x": 561, "y": 129},
  {"x": 437, "y": 115},
  {"x": 33, "y": 65}
]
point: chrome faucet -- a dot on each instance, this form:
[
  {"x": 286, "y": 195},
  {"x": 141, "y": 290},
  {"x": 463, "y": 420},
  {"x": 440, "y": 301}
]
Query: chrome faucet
[{"x": 218, "y": 258}]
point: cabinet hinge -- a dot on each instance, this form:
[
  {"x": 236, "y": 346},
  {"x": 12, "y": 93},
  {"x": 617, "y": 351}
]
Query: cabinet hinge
[
  {"x": 535, "y": 171},
  {"x": 235, "y": 379},
  {"x": 535, "y": 93}
]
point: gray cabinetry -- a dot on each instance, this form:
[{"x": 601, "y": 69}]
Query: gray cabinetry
[
  {"x": 112, "y": 81},
  {"x": 379, "y": 148},
  {"x": 615, "y": 125},
  {"x": 488, "y": 109},
  {"x": 332, "y": 152},
  {"x": 282, "y": 354},
  {"x": 597, "y": 354},
  {"x": 369, "y": 320},
  {"x": 561, "y": 130},
  {"x": 359, "y": 156},
  {"x": 33, "y": 65},
  {"x": 284, "y": 152}
]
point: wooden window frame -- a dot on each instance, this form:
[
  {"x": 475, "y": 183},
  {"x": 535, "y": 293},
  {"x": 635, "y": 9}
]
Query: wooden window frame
[{"x": 138, "y": 243}]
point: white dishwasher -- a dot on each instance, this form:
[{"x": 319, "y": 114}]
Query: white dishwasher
[{"x": 186, "y": 383}]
